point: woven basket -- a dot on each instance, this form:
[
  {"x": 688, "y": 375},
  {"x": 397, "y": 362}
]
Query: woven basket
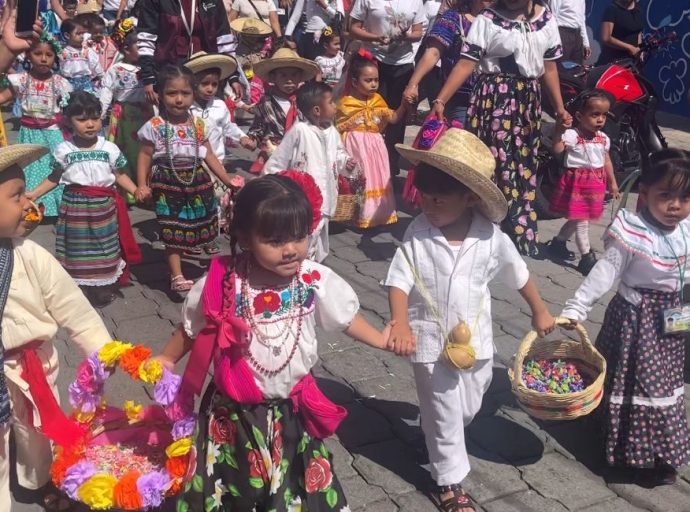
[
  {"x": 551, "y": 406},
  {"x": 32, "y": 220},
  {"x": 346, "y": 208}
]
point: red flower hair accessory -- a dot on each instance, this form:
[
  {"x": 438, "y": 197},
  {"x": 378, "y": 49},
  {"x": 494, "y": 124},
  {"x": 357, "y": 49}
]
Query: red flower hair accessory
[
  {"x": 367, "y": 55},
  {"x": 311, "y": 190}
]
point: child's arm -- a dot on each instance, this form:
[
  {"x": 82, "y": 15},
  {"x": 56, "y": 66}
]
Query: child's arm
[
  {"x": 125, "y": 182},
  {"x": 143, "y": 191},
  {"x": 215, "y": 166},
  {"x": 611, "y": 178},
  {"x": 233, "y": 132},
  {"x": 363, "y": 331},
  {"x": 558, "y": 145},
  {"x": 7, "y": 95},
  {"x": 48, "y": 184},
  {"x": 179, "y": 345},
  {"x": 94, "y": 65},
  {"x": 542, "y": 321},
  {"x": 107, "y": 91},
  {"x": 399, "y": 114},
  {"x": 401, "y": 338}
]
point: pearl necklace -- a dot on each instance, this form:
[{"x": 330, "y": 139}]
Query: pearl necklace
[{"x": 168, "y": 136}]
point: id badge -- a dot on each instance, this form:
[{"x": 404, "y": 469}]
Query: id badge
[
  {"x": 677, "y": 320},
  {"x": 280, "y": 12}
]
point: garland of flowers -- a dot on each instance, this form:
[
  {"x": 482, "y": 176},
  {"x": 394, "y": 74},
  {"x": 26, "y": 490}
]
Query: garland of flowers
[{"x": 82, "y": 479}]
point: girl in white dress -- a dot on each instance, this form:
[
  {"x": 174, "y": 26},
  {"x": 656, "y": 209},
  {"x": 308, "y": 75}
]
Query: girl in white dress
[
  {"x": 256, "y": 314},
  {"x": 332, "y": 60},
  {"x": 79, "y": 64}
]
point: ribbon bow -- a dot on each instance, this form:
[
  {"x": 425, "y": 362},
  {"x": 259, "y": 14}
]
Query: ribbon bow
[{"x": 366, "y": 54}]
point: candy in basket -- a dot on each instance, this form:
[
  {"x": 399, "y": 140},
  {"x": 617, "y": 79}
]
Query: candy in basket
[{"x": 33, "y": 218}]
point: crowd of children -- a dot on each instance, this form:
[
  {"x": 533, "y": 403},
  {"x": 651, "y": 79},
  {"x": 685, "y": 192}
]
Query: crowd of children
[{"x": 256, "y": 311}]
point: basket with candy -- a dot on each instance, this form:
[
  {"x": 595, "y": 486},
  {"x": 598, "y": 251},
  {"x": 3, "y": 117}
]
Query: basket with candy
[
  {"x": 131, "y": 458},
  {"x": 350, "y": 196},
  {"x": 33, "y": 218},
  {"x": 558, "y": 379}
]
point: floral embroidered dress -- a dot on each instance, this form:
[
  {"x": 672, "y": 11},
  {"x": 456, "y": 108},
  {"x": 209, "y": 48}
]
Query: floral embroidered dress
[
  {"x": 505, "y": 107},
  {"x": 331, "y": 68},
  {"x": 81, "y": 67},
  {"x": 361, "y": 124},
  {"x": 259, "y": 456}
]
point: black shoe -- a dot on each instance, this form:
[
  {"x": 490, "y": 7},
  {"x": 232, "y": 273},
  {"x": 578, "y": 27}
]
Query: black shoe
[
  {"x": 559, "y": 250},
  {"x": 650, "y": 478},
  {"x": 587, "y": 263}
]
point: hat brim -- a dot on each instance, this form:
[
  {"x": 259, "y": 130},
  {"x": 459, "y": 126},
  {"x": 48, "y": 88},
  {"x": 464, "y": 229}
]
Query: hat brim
[
  {"x": 262, "y": 29},
  {"x": 226, "y": 64},
  {"x": 264, "y": 68},
  {"x": 21, "y": 155},
  {"x": 493, "y": 203}
]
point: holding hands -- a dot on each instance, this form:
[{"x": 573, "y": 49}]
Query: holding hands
[{"x": 400, "y": 339}]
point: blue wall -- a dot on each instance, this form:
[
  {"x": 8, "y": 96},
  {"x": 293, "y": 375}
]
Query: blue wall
[{"x": 669, "y": 69}]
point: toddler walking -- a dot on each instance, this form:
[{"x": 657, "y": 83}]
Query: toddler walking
[
  {"x": 579, "y": 193},
  {"x": 438, "y": 279},
  {"x": 79, "y": 65}
]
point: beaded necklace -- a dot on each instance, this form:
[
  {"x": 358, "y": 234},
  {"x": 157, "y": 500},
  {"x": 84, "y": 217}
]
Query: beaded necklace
[{"x": 167, "y": 138}]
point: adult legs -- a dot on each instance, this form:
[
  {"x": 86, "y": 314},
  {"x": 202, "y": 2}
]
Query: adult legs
[{"x": 393, "y": 80}]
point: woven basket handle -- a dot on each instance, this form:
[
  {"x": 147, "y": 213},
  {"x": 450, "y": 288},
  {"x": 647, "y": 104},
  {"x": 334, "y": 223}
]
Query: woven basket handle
[{"x": 531, "y": 337}]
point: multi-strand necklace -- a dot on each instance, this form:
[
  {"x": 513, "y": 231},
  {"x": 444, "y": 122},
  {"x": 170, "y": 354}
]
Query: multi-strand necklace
[{"x": 168, "y": 137}]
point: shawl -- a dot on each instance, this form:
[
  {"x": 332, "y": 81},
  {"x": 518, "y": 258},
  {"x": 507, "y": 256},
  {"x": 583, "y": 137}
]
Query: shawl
[{"x": 358, "y": 115}]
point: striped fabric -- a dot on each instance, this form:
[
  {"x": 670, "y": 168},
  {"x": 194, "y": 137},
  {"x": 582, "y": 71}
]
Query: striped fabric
[
  {"x": 88, "y": 246},
  {"x": 6, "y": 266}
]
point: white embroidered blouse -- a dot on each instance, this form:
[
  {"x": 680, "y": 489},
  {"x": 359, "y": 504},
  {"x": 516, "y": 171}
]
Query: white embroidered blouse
[
  {"x": 581, "y": 153},
  {"x": 220, "y": 127},
  {"x": 456, "y": 282},
  {"x": 88, "y": 167},
  {"x": 181, "y": 137},
  {"x": 318, "y": 288},
  {"x": 39, "y": 99},
  {"x": 331, "y": 68},
  {"x": 78, "y": 62},
  {"x": 121, "y": 84}
]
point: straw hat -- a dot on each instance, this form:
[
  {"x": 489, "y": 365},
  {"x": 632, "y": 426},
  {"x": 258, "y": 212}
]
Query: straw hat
[
  {"x": 21, "y": 155},
  {"x": 251, "y": 27},
  {"x": 286, "y": 58},
  {"x": 467, "y": 159},
  {"x": 202, "y": 61}
]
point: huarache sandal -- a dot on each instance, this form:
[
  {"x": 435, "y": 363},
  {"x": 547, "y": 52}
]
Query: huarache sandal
[
  {"x": 458, "y": 502},
  {"x": 180, "y": 284},
  {"x": 212, "y": 248}
]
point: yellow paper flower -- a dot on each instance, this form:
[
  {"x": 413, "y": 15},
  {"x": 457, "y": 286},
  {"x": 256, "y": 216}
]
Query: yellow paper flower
[
  {"x": 97, "y": 492},
  {"x": 132, "y": 410},
  {"x": 84, "y": 417},
  {"x": 150, "y": 372},
  {"x": 179, "y": 448},
  {"x": 112, "y": 351}
]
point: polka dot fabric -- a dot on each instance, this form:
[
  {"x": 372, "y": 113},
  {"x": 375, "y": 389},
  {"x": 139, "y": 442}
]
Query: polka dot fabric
[{"x": 644, "y": 413}]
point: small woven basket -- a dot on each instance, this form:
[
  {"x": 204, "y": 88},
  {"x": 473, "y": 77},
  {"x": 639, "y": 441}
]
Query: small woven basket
[
  {"x": 551, "y": 406},
  {"x": 32, "y": 219},
  {"x": 350, "y": 195}
]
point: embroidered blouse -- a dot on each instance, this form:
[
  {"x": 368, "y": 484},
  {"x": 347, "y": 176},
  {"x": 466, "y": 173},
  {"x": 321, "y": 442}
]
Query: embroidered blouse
[
  {"x": 184, "y": 139},
  {"x": 640, "y": 255},
  {"x": 220, "y": 127},
  {"x": 121, "y": 84},
  {"x": 507, "y": 46},
  {"x": 88, "y": 167},
  {"x": 79, "y": 62},
  {"x": 39, "y": 99},
  {"x": 331, "y": 68},
  {"x": 456, "y": 282},
  {"x": 318, "y": 287},
  {"x": 581, "y": 153},
  {"x": 354, "y": 115}
]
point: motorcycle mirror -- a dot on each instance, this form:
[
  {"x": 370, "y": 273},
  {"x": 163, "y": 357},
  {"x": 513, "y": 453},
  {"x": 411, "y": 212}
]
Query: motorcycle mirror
[
  {"x": 665, "y": 22},
  {"x": 569, "y": 64}
]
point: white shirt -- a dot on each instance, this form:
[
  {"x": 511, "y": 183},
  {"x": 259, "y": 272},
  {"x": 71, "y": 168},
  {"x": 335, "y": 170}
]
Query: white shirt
[
  {"x": 640, "y": 255},
  {"x": 330, "y": 304},
  {"x": 39, "y": 99},
  {"x": 317, "y": 17},
  {"x": 245, "y": 9},
  {"x": 331, "y": 68},
  {"x": 88, "y": 167},
  {"x": 581, "y": 153},
  {"x": 390, "y": 18},
  {"x": 320, "y": 153},
  {"x": 182, "y": 147},
  {"x": 121, "y": 84},
  {"x": 79, "y": 62},
  {"x": 220, "y": 127},
  {"x": 571, "y": 14},
  {"x": 456, "y": 282},
  {"x": 493, "y": 37},
  {"x": 111, "y": 5}
]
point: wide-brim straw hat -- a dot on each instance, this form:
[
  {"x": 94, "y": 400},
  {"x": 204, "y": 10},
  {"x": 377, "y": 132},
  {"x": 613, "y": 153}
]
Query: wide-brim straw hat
[
  {"x": 21, "y": 155},
  {"x": 286, "y": 58},
  {"x": 463, "y": 156},
  {"x": 250, "y": 27},
  {"x": 202, "y": 61}
]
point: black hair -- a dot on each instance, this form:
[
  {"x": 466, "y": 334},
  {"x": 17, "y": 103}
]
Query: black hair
[
  {"x": 310, "y": 96},
  {"x": 461, "y": 6},
  {"x": 328, "y": 34},
  {"x": 277, "y": 43},
  {"x": 69, "y": 25},
  {"x": 273, "y": 207},
  {"x": 214, "y": 71},
  {"x": 430, "y": 180},
  {"x": 583, "y": 99},
  {"x": 649, "y": 165},
  {"x": 531, "y": 14},
  {"x": 171, "y": 72},
  {"x": 676, "y": 170},
  {"x": 360, "y": 62},
  {"x": 93, "y": 20},
  {"x": 130, "y": 40},
  {"x": 82, "y": 103}
]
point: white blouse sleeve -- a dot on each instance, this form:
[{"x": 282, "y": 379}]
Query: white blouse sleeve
[
  {"x": 420, "y": 13},
  {"x": 599, "y": 281},
  {"x": 335, "y": 302},
  {"x": 193, "y": 317},
  {"x": 58, "y": 157},
  {"x": 359, "y": 10},
  {"x": 117, "y": 158},
  {"x": 570, "y": 138},
  {"x": 147, "y": 133},
  {"x": 15, "y": 80},
  {"x": 94, "y": 64},
  {"x": 108, "y": 90},
  {"x": 295, "y": 17},
  {"x": 400, "y": 273},
  {"x": 64, "y": 86},
  {"x": 478, "y": 38},
  {"x": 512, "y": 269},
  {"x": 553, "y": 50},
  {"x": 607, "y": 142}
]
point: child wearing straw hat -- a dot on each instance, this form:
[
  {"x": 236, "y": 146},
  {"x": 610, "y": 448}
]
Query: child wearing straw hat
[
  {"x": 37, "y": 297},
  {"x": 438, "y": 292},
  {"x": 277, "y": 110}
]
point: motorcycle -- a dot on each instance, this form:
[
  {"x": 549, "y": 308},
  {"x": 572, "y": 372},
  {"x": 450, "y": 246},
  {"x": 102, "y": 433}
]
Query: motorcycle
[{"x": 631, "y": 125}]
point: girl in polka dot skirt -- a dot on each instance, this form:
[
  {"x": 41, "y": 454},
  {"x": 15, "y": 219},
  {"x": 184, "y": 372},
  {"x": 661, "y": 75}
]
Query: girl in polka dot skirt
[{"x": 646, "y": 429}]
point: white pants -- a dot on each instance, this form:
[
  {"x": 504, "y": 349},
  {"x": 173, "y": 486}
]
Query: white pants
[
  {"x": 448, "y": 401},
  {"x": 318, "y": 241}
]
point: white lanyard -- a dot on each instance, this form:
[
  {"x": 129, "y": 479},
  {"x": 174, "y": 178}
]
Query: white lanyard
[{"x": 187, "y": 25}]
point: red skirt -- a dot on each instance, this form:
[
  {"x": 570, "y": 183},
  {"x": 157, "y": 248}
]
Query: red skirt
[{"x": 579, "y": 194}]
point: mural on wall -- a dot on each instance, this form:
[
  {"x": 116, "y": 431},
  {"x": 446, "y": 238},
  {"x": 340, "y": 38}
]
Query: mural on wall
[{"x": 668, "y": 69}]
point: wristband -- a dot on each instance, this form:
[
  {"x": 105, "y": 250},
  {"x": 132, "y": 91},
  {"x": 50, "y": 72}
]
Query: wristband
[{"x": 443, "y": 103}]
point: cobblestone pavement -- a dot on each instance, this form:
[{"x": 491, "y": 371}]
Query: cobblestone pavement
[{"x": 518, "y": 464}]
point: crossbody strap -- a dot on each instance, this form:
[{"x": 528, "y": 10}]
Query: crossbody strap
[{"x": 257, "y": 10}]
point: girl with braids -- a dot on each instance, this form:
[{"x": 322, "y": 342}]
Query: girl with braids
[
  {"x": 263, "y": 418},
  {"x": 513, "y": 46},
  {"x": 173, "y": 147}
]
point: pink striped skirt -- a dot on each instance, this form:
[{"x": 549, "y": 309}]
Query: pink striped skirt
[{"x": 579, "y": 194}]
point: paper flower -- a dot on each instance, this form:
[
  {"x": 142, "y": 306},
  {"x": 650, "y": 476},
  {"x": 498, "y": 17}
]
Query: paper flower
[
  {"x": 184, "y": 428},
  {"x": 112, "y": 351},
  {"x": 152, "y": 487},
  {"x": 166, "y": 390},
  {"x": 132, "y": 410},
  {"x": 97, "y": 492},
  {"x": 179, "y": 448},
  {"x": 131, "y": 359},
  {"x": 76, "y": 476},
  {"x": 126, "y": 492},
  {"x": 311, "y": 190},
  {"x": 177, "y": 466},
  {"x": 150, "y": 371}
]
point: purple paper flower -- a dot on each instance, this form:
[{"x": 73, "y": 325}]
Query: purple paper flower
[
  {"x": 167, "y": 388},
  {"x": 184, "y": 427},
  {"x": 76, "y": 476},
  {"x": 152, "y": 487},
  {"x": 100, "y": 374},
  {"x": 181, "y": 407},
  {"x": 83, "y": 400}
]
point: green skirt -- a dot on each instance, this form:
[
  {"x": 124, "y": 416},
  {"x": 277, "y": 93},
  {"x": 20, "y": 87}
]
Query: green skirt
[{"x": 39, "y": 170}]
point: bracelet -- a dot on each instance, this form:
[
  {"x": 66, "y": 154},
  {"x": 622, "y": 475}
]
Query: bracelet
[
  {"x": 408, "y": 86},
  {"x": 439, "y": 101}
]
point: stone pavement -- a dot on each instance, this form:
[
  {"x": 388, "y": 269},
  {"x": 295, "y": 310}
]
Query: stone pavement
[{"x": 518, "y": 464}]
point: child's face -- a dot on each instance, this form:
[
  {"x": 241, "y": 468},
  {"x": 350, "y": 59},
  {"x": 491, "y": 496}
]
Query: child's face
[
  {"x": 277, "y": 256},
  {"x": 667, "y": 204},
  {"x": 333, "y": 46},
  {"x": 178, "y": 96},
  {"x": 76, "y": 37},
  {"x": 367, "y": 83},
  {"x": 71, "y": 10},
  {"x": 13, "y": 202},
  {"x": 86, "y": 126},
  {"x": 327, "y": 108},
  {"x": 42, "y": 58},
  {"x": 98, "y": 33},
  {"x": 287, "y": 80},
  {"x": 131, "y": 54},
  {"x": 444, "y": 209},
  {"x": 593, "y": 116},
  {"x": 207, "y": 87}
]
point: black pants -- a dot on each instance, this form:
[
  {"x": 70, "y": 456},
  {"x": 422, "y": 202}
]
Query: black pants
[
  {"x": 307, "y": 47},
  {"x": 393, "y": 80},
  {"x": 573, "y": 47}
]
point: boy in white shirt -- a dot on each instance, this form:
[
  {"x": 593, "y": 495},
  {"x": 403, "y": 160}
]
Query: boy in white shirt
[
  {"x": 315, "y": 147},
  {"x": 438, "y": 280}
]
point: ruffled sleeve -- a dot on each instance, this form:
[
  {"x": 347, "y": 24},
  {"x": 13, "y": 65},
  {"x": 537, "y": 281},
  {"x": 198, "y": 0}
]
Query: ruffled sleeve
[
  {"x": 478, "y": 38},
  {"x": 117, "y": 158},
  {"x": 446, "y": 29},
  {"x": 147, "y": 133},
  {"x": 18, "y": 83},
  {"x": 58, "y": 158},
  {"x": 335, "y": 302}
]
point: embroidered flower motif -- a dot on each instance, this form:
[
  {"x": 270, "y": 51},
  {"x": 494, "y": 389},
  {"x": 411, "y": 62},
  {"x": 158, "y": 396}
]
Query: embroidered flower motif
[
  {"x": 181, "y": 133},
  {"x": 257, "y": 467},
  {"x": 267, "y": 302},
  {"x": 318, "y": 475},
  {"x": 222, "y": 428}
]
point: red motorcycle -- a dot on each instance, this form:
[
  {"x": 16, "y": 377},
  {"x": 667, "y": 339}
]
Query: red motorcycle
[{"x": 631, "y": 125}]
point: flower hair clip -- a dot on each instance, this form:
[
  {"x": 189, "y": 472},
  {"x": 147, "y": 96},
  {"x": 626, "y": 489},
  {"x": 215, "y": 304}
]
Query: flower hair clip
[
  {"x": 64, "y": 101},
  {"x": 365, "y": 54},
  {"x": 47, "y": 37},
  {"x": 328, "y": 32}
]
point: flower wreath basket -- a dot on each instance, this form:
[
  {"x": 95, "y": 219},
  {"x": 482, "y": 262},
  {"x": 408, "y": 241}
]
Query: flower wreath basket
[{"x": 131, "y": 458}]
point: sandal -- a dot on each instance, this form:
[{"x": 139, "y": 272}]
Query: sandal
[
  {"x": 212, "y": 248},
  {"x": 180, "y": 284},
  {"x": 194, "y": 251},
  {"x": 457, "y": 502}
]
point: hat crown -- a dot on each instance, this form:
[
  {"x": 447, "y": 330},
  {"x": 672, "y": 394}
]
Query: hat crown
[
  {"x": 286, "y": 53},
  {"x": 466, "y": 148},
  {"x": 251, "y": 25}
]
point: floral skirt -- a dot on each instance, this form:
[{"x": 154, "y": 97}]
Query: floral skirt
[
  {"x": 579, "y": 194},
  {"x": 643, "y": 412},
  {"x": 259, "y": 457},
  {"x": 505, "y": 113}
]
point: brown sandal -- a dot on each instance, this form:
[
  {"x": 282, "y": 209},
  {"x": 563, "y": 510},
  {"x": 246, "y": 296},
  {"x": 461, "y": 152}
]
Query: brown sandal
[{"x": 458, "y": 501}]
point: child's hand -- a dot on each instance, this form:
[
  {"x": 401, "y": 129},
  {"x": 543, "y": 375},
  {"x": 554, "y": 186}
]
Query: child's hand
[
  {"x": 613, "y": 190},
  {"x": 248, "y": 143},
  {"x": 142, "y": 194},
  {"x": 351, "y": 164},
  {"x": 400, "y": 339},
  {"x": 571, "y": 325},
  {"x": 150, "y": 94},
  {"x": 165, "y": 361},
  {"x": 543, "y": 323},
  {"x": 31, "y": 196}
]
